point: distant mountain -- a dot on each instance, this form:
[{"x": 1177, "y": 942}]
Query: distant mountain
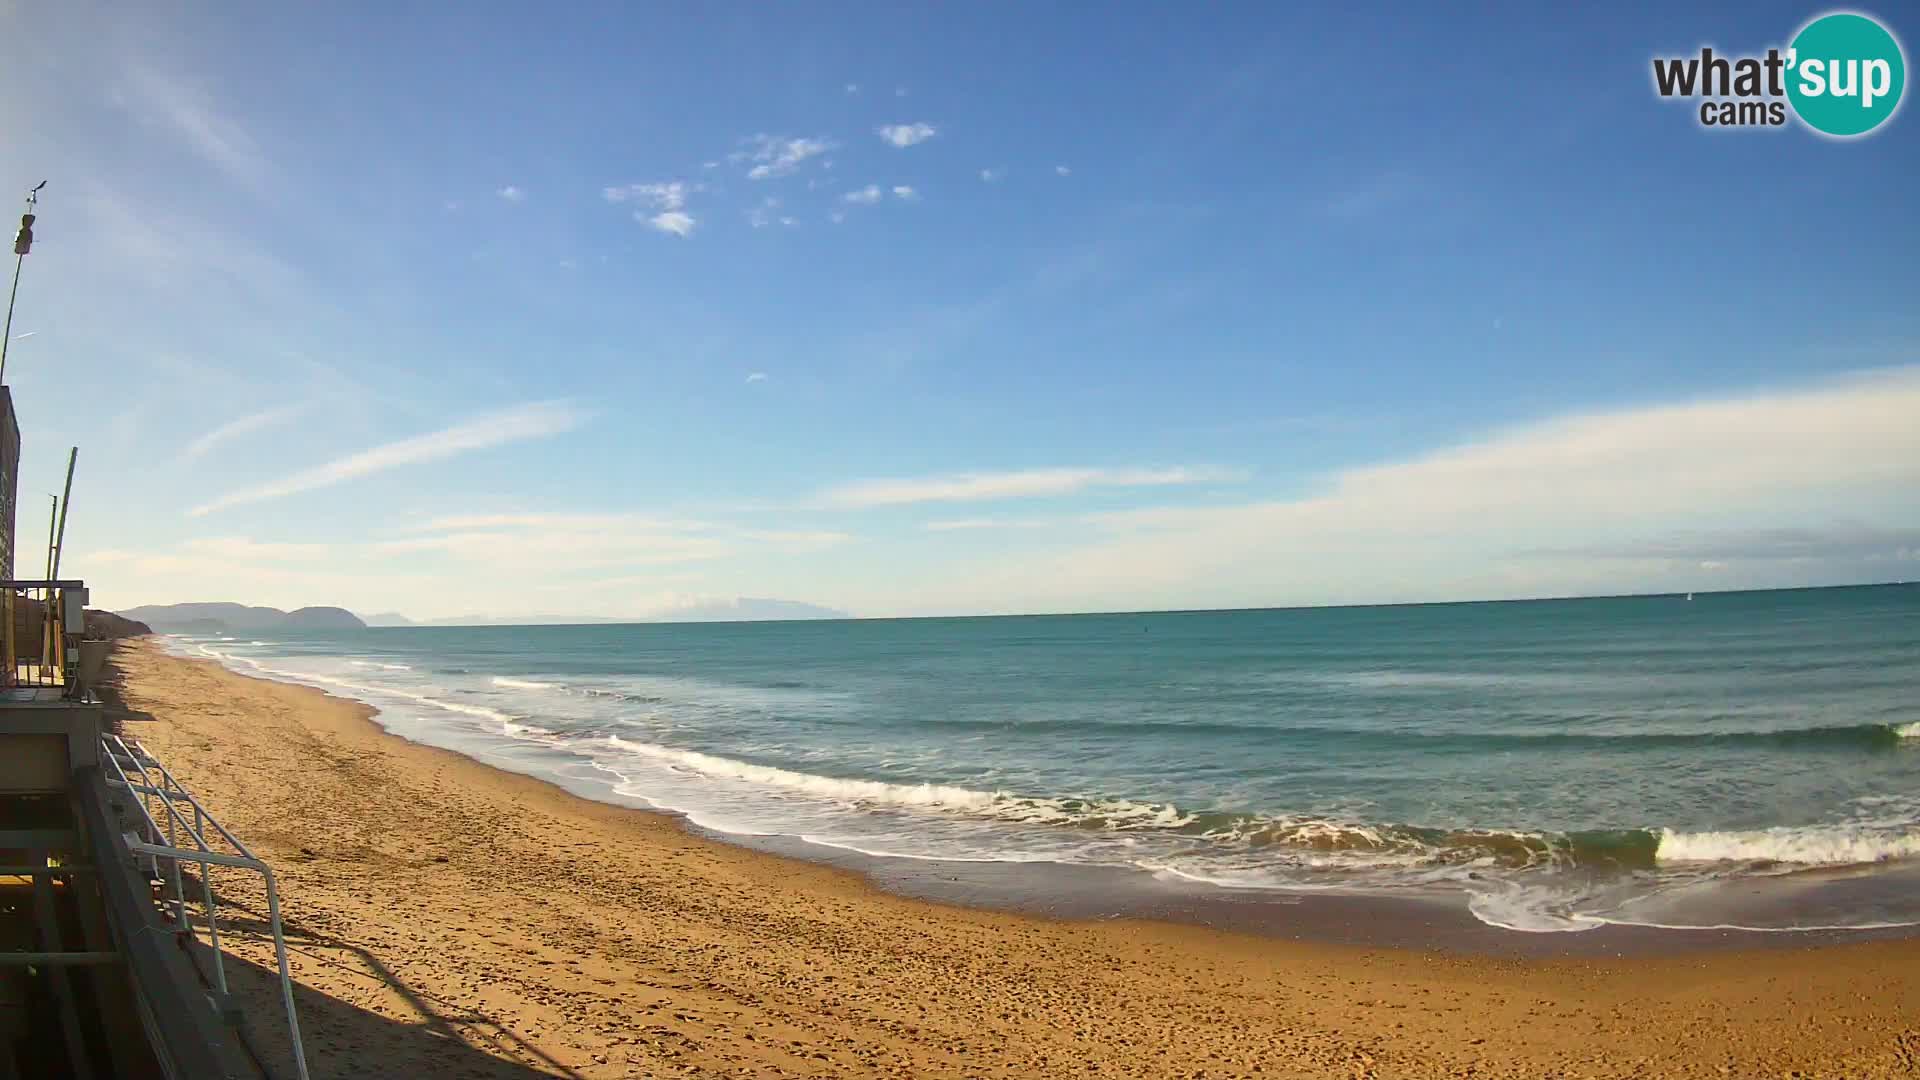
[
  {"x": 389, "y": 618},
  {"x": 748, "y": 609},
  {"x": 239, "y": 618}
]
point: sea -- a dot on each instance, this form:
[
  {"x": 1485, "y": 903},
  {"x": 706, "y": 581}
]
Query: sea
[{"x": 1721, "y": 760}]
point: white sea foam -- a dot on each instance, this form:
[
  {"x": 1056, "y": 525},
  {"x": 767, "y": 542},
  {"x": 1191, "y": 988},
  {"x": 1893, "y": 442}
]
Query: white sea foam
[
  {"x": 374, "y": 664},
  {"x": 522, "y": 684},
  {"x": 506, "y": 722},
  {"x": 1837, "y": 845},
  {"x": 1908, "y": 731}
]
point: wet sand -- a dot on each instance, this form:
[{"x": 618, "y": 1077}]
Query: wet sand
[{"x": 451, "y": 919}]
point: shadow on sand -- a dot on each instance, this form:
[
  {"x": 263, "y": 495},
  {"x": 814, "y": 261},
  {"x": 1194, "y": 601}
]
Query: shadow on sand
[{"x": 416, "y": 1034}]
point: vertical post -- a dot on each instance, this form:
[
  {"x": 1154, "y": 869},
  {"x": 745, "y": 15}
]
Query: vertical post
[
  {"x": 46, "y": 621},
  {"x": 6, "y": 336},
  {"x": 66, "y": 503},
  {"x": 22, "y": 243}
]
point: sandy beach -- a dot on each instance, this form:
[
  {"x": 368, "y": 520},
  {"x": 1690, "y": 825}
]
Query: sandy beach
[{"x": 450, "y": 919}]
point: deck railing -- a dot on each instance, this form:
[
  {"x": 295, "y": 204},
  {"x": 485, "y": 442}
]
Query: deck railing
[
  {"x": 40, "y": 626},
  {"x": 175, "y": 829}
]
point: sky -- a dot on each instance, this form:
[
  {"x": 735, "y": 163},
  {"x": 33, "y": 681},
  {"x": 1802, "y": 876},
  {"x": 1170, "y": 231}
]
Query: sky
[{"x": 968, "y": 309}]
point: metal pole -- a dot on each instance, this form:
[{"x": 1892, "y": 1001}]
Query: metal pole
[
  {"x": 19, "y": 257},
  {"x": 66, "y": 502},
  {"x": 46, "y": 605},
  {"x": 51, "y": 514},
  {"x": 6, "y": 338}
]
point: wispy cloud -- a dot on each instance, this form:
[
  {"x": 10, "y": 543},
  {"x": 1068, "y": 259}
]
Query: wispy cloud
[
  {"x": 1374, "y": 195},
  {"x": 971, "y": 524},
  {"x": 905, "y": 193},
  {"x": 778, "y": 155},
  {"x": 1016, "y": 484},
  {"x": 597, "y": 539},
  {"x": 246, "y": 549},
  {"x": 25, "y": 336},
  {"x": 865, "y": 196},
  {"x": 512, "y": 194},
  {"x": 993, "y": 176},
  {"x": 666, "y": 199},
  {"x": 663, "y": 195},
  {"x": 1758, "y": 544},
  {"x": 905, "y": 135},
  {"x": 758, "y": 376},
  {"x": 763, "y": 215},
  {"x": 1062, "y": 170},
  {"x": 853, "y": 88},
  {"x": 239, "y": 426},
  {"x": 190, "y": 112},
  {"x": 531, "y": 421}
]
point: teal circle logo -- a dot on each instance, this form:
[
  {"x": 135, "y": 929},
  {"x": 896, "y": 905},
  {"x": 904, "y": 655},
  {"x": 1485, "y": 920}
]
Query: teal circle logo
[{"x": 1845, "y": 74}]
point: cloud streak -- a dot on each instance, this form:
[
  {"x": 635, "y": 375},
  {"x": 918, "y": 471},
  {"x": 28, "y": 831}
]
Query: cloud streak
[
  {"x": 190, "y": 112},
  {"x": 233, "y": 429},
  {"x": 532, "y": 421},
  {"x": 1015, "y": 484},
  {"x": 779, "y": 155}
]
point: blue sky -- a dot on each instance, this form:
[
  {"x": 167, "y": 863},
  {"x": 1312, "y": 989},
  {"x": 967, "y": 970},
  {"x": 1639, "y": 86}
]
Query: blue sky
[{"x": 982, "y": 308}]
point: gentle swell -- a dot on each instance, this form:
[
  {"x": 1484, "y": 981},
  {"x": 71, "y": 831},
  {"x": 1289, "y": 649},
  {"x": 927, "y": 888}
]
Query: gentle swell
[{"x": 1837, "y": 737}]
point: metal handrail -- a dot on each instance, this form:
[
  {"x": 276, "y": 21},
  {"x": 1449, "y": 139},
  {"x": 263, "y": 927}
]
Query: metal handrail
[{"x": 170, "y": 792}]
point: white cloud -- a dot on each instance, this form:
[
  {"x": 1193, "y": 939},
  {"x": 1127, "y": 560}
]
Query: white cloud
[
  {"x": 235, "y": 428},
  {"x": 837, "y": 216},
  {"x": 665, "y": 195},
  {"x": 531, "y": 421},
  {"x": 993, "y": 176},
  {"x": 778, "y": 155},
  {"x": 905, "y": 135},
  {"x": 853, "y": 88},
  {"x": 905, "y": 193},
  {"x": 512, "y": 194},
  {"x": 865, "y": 196},
  {"x": 758, "y": 376},
  {"x": 677, "y": 222},
  {"x": 1017, "y": 484},
  {"x": 1062, "y": 170},
  {"x": 1500, "y": 516},
  {"x": 668, "y": 200}
]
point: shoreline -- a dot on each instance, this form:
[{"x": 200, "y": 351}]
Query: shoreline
[
  {"x": 1431, "y": 918},
  {"x": 829, "y": 929}
]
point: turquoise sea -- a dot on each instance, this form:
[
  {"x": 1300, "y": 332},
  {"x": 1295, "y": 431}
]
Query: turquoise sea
[{"x": 1745, "y": 759}]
